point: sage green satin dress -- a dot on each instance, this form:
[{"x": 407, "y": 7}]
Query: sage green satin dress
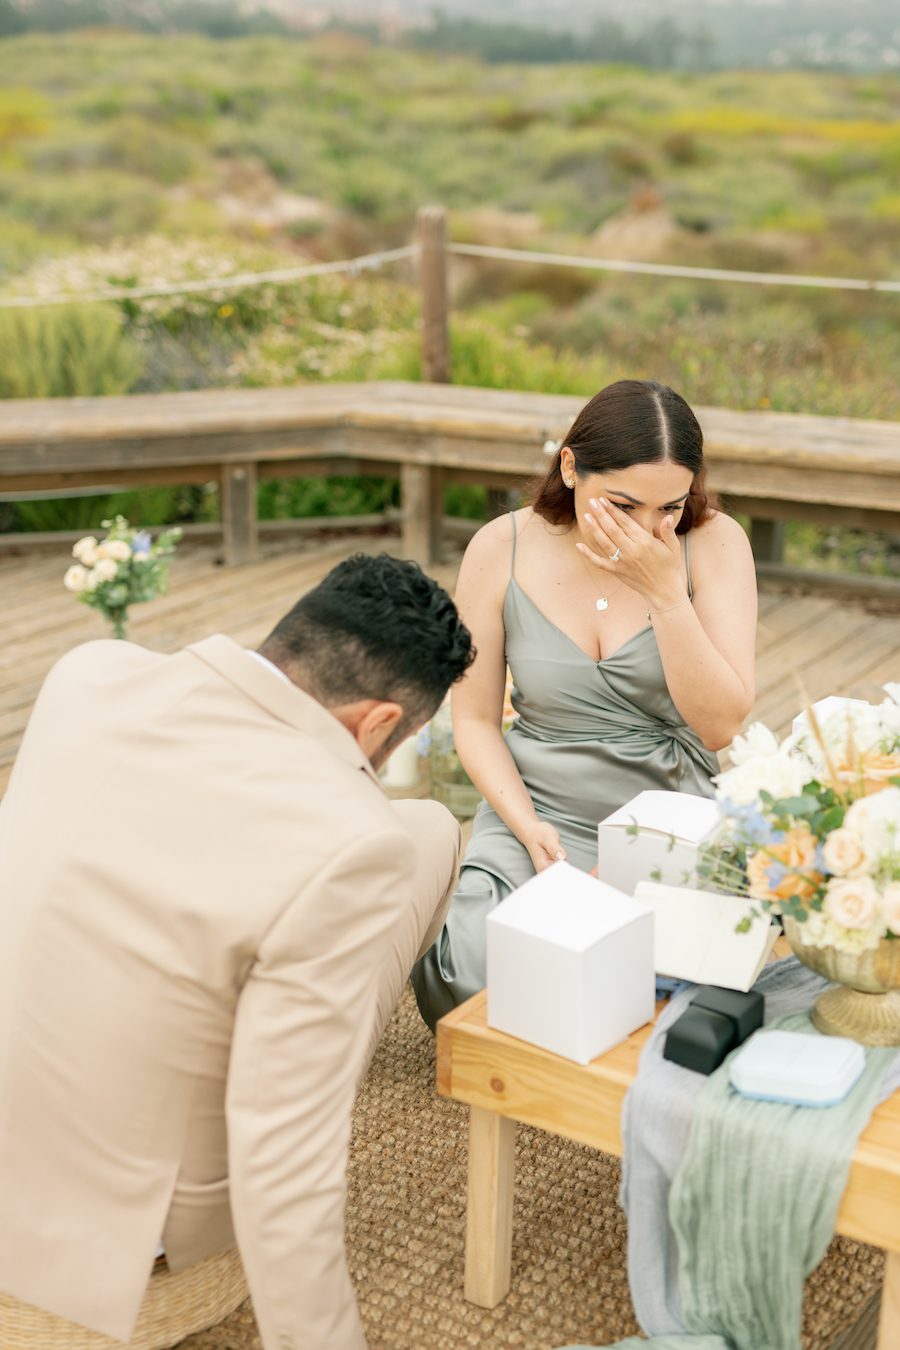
[{"x": 590, "y": 735}]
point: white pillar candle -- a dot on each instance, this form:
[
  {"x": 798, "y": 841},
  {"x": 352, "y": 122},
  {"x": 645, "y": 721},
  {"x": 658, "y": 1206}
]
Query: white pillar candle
[{"x": 402, "y": 768}]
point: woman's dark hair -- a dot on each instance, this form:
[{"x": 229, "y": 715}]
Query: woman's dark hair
[
  {"x": 630, "y": 422},
  {"x": 374, "y": 628}
]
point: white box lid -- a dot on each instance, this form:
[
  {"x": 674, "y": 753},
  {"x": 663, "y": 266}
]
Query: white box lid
[
  {"x": 682, "y": 814},
  {"x": 792, "y": 1066},
  {"x": 825, "y": 708},
  {"x": 567, "y": 908}
]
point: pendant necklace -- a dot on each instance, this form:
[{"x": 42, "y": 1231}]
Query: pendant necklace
[{"x": 602, "y": 601}]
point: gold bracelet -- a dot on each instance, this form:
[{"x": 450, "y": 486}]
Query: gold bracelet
[{"x": 652, "y": 612}]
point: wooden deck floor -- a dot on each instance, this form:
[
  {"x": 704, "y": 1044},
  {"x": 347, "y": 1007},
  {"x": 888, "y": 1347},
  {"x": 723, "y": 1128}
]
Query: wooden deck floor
[{"x": 834, "y": 646}]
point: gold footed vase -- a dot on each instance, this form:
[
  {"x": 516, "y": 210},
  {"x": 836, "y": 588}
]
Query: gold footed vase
[{"x": 865, "y": 1002}]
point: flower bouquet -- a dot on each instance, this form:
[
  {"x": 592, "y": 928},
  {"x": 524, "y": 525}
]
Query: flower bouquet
[
  {"x": 122, "y": 569},
  {"x": 814, "y": 836}
]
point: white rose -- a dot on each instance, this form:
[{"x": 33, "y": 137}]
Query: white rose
[
  {"x": 86, "y": 550},
  {"x": 820, "y": 931},
  {"x": 756, "y": 740},
  {"x": 105, "y": 570},
  {"x": 116, "y": 549},
  {"x": 782, "y": 774},
  {"x": 852, "y": 902},
  {"x": 890, "y": 907},
  {"x": 876, "y": 821},
  {"x": 75, "y": 578},
  {"x": 844, "y": 853}
]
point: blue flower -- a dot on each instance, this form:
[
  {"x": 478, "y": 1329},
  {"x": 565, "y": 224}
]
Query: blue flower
[
  {"x": 775, "y": 874},
  {"x": 141, "y": 542},
  {"x": 753, "y": 827}
]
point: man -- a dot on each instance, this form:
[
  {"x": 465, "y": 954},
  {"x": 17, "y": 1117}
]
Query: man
[{"x": 208, "y": 909}]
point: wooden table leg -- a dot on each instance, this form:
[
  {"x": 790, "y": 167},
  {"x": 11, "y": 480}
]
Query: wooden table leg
[
  {"x": 889, "y": 1324},
  {"x": 492, "y": 1140}
]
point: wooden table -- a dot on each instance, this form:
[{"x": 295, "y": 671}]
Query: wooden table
[{"x": 504, "y": 1080}]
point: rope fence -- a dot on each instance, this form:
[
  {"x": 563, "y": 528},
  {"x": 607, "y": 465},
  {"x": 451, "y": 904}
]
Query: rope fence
[
  {"x": 670, "y": 269},
  {"x": 239, "y": 281},
  {"x": 374, "y": 261}
]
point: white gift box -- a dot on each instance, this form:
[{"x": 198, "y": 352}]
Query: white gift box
[
  {"x": 824, "y": 709},
  {"x": 655, "y": 837},
  {"x": 570, "y": 964}
]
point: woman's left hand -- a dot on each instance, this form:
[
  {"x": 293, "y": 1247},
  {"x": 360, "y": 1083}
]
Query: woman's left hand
[{"x": 649, "y": 563}]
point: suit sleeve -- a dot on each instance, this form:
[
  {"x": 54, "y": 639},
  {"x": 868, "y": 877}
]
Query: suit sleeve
[{"x": 301, "y": 1032}]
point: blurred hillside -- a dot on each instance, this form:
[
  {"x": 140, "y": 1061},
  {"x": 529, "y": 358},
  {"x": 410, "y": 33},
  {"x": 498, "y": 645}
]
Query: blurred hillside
[{"x": 685, "y": 34}]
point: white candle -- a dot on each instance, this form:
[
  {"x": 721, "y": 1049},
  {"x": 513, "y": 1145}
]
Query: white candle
[{"x": 402, "y": 768}]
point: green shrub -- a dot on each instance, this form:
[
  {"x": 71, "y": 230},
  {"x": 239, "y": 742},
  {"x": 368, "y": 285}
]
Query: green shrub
[
  {"x": 152, "y": 506},
  {"x": 65, "y": 351},
  {"x": 291, "y": 498}
]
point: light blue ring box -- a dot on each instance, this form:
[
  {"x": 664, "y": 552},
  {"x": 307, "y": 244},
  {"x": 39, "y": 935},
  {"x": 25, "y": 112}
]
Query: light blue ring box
[{"x": 796, "y": 1068}]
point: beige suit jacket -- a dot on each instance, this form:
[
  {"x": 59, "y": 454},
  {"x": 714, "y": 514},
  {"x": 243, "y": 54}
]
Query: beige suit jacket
[{"x": 199, "y": 878}]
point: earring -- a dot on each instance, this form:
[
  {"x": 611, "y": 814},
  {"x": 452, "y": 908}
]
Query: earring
[{"x": 570, "y": 482}]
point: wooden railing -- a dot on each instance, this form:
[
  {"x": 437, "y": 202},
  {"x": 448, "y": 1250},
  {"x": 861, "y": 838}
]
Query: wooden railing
[{"x": 770, "y": 466}]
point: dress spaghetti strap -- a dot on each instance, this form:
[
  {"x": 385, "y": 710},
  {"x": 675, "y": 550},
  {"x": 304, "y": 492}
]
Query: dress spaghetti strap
[{"x": 687, "y": 564}]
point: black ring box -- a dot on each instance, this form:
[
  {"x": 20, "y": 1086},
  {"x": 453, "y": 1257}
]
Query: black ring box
[{"x": 716, "y": 1021}]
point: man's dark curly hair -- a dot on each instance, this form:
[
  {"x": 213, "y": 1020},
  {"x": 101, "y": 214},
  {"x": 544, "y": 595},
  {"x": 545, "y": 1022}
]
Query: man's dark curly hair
[{"x": 375, "y": 627}]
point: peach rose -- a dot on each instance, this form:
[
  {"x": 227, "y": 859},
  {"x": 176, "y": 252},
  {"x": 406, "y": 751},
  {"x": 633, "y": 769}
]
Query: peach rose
[
  {"x": 844, "y": 853},
  {"x": 852, "y": 901},
  {"x": 797, "y": 853},
  {"x": 870, "y": 770}
]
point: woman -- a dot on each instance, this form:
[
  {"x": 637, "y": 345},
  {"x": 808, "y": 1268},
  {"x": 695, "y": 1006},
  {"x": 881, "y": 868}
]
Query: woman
[{"x": 625, "y": 606}]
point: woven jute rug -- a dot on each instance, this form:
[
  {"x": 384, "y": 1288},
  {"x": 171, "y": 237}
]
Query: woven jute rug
[{"x": 406, "y": 1228}]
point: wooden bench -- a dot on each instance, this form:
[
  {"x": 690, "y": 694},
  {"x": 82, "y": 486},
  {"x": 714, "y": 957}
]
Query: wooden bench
[
  {"x": 504, "y": 1080},
  {"x": 771, "y": 466}
]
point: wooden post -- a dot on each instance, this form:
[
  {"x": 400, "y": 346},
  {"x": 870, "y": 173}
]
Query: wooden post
[
  {"x": 238, "y": 508},
  {"x": 422, "y": 498},
  {"x": 431, "y": 233},
  {"x": 767, "y": 539},
  {"x": 492, "y": 1146},
  {"x": 421, "y": 486}
]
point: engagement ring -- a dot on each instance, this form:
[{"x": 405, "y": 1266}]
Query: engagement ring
[{"x": 616, "y": 556}]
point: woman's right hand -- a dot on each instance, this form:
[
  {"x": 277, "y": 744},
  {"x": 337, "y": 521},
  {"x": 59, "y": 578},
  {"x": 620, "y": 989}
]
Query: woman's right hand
[{"x": 544, "y": 846}]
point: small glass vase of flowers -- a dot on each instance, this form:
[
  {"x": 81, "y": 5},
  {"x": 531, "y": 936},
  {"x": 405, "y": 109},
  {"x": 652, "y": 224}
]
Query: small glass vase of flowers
[
  {"x": 450, "y": 784},
  {"x": 814, "y": 836},
  {"x": 122, "y": 569}
]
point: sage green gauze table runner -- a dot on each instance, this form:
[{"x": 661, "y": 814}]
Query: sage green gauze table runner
[{"x": 753, "y": 1207}]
